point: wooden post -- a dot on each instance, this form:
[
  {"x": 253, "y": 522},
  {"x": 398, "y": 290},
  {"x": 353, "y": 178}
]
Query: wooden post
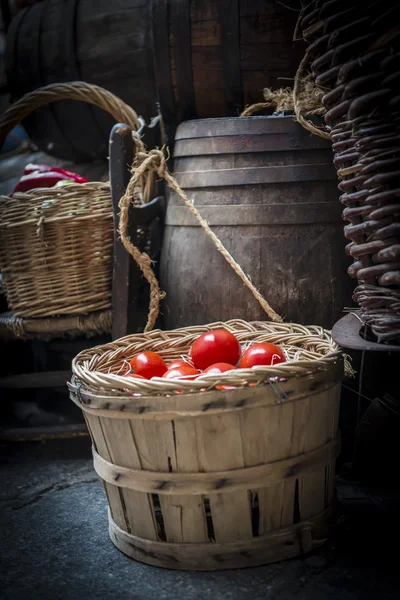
[{"x": 129, "y": 312}]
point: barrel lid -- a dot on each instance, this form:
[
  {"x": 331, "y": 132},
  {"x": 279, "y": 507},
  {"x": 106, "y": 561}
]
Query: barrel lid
[{"x": 229, "y": 126}]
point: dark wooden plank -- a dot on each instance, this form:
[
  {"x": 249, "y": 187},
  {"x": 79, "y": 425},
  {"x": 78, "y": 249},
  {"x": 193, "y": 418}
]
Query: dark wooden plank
[
  {"x": 121, "y": 157},
  {"x": 40, "y": 434},
  {"x": 46, "y": 379},
  {"x": 181, "y": 29},
  {"x": 162, "y": 67},
  {"x": 230, "y": 54}
]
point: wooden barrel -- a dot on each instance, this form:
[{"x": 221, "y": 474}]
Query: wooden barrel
[
  {"x": 209, "y": 59},
  {"x": 96, "y": 41},
  {"x": 268, "y": 190},
  {"x": 218, "y": 479},
  {"x": 213, "y": 57}
]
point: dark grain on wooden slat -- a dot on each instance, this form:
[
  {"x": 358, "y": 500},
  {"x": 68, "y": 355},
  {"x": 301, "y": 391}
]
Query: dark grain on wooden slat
[
  {"x": 255, "y": 176},
  {"x": 301, "y": 213},
  {"x": 230, "y": 55},
  {"x": 282, "y": 224},
  {"x": 235, "y": 143}
]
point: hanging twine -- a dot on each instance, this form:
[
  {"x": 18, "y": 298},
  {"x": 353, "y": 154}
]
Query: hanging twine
[
  {"x": 139, "y": 190},
  {"x": 281, "y": 99},
  {"x": 304, "y": 98},
  {"x": 154, "y": 162}
]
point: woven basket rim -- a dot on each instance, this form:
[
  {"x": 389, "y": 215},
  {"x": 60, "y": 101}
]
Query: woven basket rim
[{"x": 93, "y": 368}]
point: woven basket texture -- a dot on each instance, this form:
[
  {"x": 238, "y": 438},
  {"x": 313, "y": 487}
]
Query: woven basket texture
[{"x": 56, "y": 248}]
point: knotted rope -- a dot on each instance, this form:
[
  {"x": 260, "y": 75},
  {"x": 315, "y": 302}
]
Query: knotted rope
[
  {"x": 154, "y": 161},
  {"x": 304, "y": 98}
]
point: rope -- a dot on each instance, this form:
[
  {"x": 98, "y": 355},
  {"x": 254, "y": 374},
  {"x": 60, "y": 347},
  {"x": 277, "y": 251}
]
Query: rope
[
  {"x": 142, "y": 259},
  {"x": 154, "y": 161},
  {"x": 304, "y": 98},
  {"x": 281, "y": 99}
]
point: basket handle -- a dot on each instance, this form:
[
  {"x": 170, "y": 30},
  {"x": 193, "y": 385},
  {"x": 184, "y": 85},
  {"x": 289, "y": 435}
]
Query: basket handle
[{"x": 74, "y": 90}]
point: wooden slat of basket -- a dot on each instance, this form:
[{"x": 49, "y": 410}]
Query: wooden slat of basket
[
  {"x": 311, "y": 490},
  {"x": 195, "y": 482},
  {"x": 220, "y": 448},
  {"x": 278, "y": 545},
  {"x": 282, "y": 429},
  {"x": 112, "y": 492},
  {"x": 193, "y": 517},
  {"x": 201, "y": 403},
  {"x": 157, "y": 448},
  {"x": 137, "y": 506}
]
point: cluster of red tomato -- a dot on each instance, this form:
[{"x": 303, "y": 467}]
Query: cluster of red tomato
[{"x": 214, "y": 352}]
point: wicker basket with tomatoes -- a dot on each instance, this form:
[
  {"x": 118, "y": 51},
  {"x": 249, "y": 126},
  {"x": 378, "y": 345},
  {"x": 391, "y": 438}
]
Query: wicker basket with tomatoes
[{"x": 216, "y": 444}]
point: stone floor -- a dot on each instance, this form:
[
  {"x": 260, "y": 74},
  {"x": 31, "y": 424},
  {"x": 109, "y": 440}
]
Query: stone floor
[{"x": 54, "y": 543}]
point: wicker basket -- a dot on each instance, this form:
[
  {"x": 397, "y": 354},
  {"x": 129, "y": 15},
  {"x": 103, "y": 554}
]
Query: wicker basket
[
  {"x": 56, "y": 244},
  {"x": 215, "y": 479},
  {"x": 353, "y": 54}
]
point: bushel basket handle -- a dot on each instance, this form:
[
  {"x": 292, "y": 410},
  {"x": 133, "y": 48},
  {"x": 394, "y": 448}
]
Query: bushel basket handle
[{"x": 74, "y": 90}]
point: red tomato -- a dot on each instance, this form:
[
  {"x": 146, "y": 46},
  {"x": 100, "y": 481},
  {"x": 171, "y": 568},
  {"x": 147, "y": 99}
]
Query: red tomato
[
  {"x": 215, "y": 346},
  {"x": 134, "y": 375},
  {"x": 148, "y": 364},
  {"x": 182, "y": 372},
  {"x": 263, "y": 354},
  {"x": 178, "y": 363},
  {"x": 219, "y": 368}
]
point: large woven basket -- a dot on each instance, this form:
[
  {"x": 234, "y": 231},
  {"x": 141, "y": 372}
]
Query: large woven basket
[
  {"x": 56, "y": 244},
  {"x": 215, "y": 479}
]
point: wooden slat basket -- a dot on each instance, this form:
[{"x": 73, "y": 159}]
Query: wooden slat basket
[
  {"x": 203, "y": 478},
  {"x": 56, "y": 244}
]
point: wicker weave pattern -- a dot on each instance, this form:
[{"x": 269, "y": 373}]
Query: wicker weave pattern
[
  {"x": 102, "y": 368},
  {"x": 56, "y": 250},
  {"x": 354, "y": 51}
]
